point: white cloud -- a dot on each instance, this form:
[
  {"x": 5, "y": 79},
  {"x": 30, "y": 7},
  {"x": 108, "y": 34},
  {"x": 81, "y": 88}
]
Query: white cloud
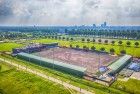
[{"x": 69, "y": 12}]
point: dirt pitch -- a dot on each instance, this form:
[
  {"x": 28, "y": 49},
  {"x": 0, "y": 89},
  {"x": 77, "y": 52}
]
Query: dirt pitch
[{"x": 89, "y": 60}]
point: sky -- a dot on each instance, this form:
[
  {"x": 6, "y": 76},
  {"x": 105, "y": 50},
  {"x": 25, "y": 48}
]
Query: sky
[{"x": 69, "y": 12}]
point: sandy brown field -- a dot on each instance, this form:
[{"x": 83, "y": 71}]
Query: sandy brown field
[{"x": 89, "y": 60}]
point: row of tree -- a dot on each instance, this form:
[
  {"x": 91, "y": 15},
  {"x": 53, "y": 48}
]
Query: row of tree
[
  {"x": 93, "y": 48},
  {"x": 125, "y": 34},
  {"x": 128, "y": 43},
  {"x": 12, "y": 35}
]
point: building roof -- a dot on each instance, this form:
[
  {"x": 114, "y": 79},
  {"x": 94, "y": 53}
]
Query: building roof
[
  {"x": 119, "y": 63},
  {"x": 58, "y": 63}
]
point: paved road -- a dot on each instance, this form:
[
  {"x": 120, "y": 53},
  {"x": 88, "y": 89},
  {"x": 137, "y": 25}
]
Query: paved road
[{"x": 67, "y": 85}]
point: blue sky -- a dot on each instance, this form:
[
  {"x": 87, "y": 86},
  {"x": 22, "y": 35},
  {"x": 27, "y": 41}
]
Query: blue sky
[{"x": 69, "y": 12}]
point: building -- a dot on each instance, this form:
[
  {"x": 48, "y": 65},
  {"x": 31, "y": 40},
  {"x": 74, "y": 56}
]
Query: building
[{"x": 117, "y": 66}]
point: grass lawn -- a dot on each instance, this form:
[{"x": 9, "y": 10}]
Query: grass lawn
[
  {"x": 132, "y": 86},
  {"x": 19, "y": 82},
  {"x": 9, "y": 46},
  {"x": 4, "y": 67},
  {"x": 132, "y": 50}
]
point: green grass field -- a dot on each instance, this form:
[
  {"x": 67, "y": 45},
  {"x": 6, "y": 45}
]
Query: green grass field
[
  {"x": 132, "y": 50},
  {"x": 13, "y": 81},
  {"x": 9, "y": 46},
  {"x": 3, "y": 67},
  {"x": 132, "y": 86}
]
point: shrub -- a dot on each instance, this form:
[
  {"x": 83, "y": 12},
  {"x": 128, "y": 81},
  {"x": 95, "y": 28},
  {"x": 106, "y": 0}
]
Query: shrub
[
  {"x": 88, "y": 40},
  {"x": 123, "y": 52},
  {"x": 112, "y": 50},
  {"x": 77, "y": 46},
  {"x": 99, "y": 40},
  {"x": 113, "y": 42},
  {"x": 102, "y": 49},
  {"x": 106, "y": 41},
  {"x": 120, "y": 42},
  {"x": 128, "y": 43},
  {"x": 93, "y": 48}
]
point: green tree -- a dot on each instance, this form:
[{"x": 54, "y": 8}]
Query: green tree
[
  {"x": 71, "y": 39},
  {"x": 88, "y": 40},
  {"x": 136, "y": 44},
  {"x": 84, "y": 47},
  {"x": 123, "y": 52},
  {"x": 112, "y": 50},
  {"x": 128, "y": 43},
  {"x": 99, "y": 40},
  {"x": 77, "y": 46},
  {"x": 67, "y": 39},
  {"x": 70, "y": 45},
  {"x": 113, "y": 42},
  {"x": 120, "y": 42},
  {"x": 93, "y": 40},
  {"x": 56, "y": 37},
  {"x": 59, "y": 38},
  {"x": 63, "y": 38},
  {"x": 106, "y": 41},
  {"x": 83, "y": 39},
  {"x": 102, "y": 49},
  {"x": 93, "y": 48}
]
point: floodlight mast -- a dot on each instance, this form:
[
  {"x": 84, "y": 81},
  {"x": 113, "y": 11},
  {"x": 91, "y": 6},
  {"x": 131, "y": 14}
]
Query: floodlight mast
[
  {"x": 99, "y": 65},
  {"x": 38, "y": 45},
  {"x": 53, "y": 57}
]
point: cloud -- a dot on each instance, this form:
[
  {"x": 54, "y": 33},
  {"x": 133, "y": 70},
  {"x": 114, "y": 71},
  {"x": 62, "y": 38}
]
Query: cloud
[
  {"x": 5, "y": 9},
  {"x": 69, "y": 12}
]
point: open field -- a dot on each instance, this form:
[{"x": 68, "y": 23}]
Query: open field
[
  {"x": 18, "y": 82},
  {"x": 89, "y": 60},
  {"x": 9, "y": 46},
  {"x": 132, "y": 50},
  {"x": 4, "y": 67},
  {"x": 132, "y": 86}
]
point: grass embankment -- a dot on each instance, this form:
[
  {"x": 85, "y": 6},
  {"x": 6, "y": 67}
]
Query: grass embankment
[
  {"x": 13, "y": 81},
  {"x": 91, "y": 86}
]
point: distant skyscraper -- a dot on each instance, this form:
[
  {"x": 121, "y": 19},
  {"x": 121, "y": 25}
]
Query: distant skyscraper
[
  {"x": 104, "y": 24},
  {"x": 94, "y": 25}
]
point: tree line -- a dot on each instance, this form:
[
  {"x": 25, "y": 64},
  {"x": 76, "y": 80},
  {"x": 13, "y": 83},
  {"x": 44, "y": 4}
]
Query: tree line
[
  {"x": 93, "y": 48},
  {"x": 120, "y": 42},
  {"x": 123, "y": 34}
]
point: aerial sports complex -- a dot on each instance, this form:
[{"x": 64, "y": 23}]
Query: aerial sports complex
[{"x": 95, "y": 65}]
